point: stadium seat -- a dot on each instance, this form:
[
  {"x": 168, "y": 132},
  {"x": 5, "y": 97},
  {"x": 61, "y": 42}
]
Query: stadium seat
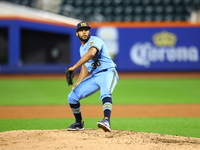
[
  {"x": 166, "y": 2},
  {"x": 124, "y": 10},
  {"x": 88, "y": 3},
  {"x": 98, "y": 9},
  {"x": 146, "y": 2},
  {"x": 148, "y": 18},
  {"x": 169, "y": 9},
  {"x": 128, "y": 10},
  {"x": 159, "y": 9},
  {"x": 156, "y": 2},
  {"x": 138, "y": 9},
  {"x": 148, "y": 9},
  {"x": 128, "y": 18},
  {"x": 138, "y": 18},
  {"x": 116, "y": 2},
  {"x": 118, "y": 10},
  {"x": 169, "y": 17},
  {"x": 107, "y": 3},
  {"x": 108, "y": 11}
]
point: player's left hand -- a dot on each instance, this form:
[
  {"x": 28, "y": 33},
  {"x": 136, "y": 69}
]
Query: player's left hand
[{"x": 69, "y": 76}]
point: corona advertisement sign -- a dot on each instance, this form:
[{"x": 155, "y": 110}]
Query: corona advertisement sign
[
  {"x": 163, "y": 49},
  {"x": 157, "y": 48}
]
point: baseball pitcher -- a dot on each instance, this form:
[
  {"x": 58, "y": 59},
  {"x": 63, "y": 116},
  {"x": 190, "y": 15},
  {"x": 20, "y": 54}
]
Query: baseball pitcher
[{"x": 97, "y": 73}]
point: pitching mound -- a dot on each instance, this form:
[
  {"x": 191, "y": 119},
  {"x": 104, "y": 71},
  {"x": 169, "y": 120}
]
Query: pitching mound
[{"x": 90, "y": 139}]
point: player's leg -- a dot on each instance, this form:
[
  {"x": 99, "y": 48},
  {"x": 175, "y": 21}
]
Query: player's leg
[
  {"x": 84, "y": 89},
  {"x": 110, "y": 79}
]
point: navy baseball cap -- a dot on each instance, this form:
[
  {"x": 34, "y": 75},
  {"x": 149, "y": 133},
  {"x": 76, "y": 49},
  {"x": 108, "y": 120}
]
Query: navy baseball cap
[{"x": 82, "y": 25}]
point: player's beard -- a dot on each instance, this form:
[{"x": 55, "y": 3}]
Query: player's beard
[{"x": 86, "y": 39}]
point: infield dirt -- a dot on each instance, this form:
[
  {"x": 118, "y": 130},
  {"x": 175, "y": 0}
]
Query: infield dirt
[{"x": 93, "y": 139}]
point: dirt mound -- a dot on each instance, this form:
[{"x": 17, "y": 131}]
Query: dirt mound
[{"x": 90, "y": 139}]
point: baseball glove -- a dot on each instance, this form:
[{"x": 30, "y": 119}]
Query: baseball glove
[{"x": 69, "y": 76}]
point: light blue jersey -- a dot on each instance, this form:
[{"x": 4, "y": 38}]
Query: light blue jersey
[
  {"x": 102, "y": 58},
  {"x": 104, "y": 76}
]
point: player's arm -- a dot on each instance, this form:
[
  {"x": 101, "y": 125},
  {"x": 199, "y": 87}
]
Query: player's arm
[
  {"x": 82, "y": 75},
  {"x": 89, "y": 55}
]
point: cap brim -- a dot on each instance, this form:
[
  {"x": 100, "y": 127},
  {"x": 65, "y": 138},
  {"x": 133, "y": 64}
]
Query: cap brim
[{"x": 83, "y": 27}]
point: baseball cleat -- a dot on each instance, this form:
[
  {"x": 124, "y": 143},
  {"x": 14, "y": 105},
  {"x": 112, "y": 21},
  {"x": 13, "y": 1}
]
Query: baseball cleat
[
  {"x": 76, "y": 126},
  {"x": 104, "y": 124}
]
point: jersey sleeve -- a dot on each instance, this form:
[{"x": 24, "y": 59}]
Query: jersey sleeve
[{"x": 96, "y": 43}]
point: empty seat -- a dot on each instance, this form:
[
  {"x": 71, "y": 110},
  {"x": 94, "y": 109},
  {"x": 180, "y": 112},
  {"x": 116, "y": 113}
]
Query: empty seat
[
  {"x": 169, "y": 17},
  {"x": 156, "y": 2},
  {"x": 148, "y": 10},
  {"x": 126, "y": 3},
  {"x": 97, "y": 3},
  {"x": 138, "y": 9},
  {"x": 118, "y": 10},
  {"x": 158, "y": 17},
  {"x": 128, "y": 10},
  {"x": 78, "y": 3},
  {"x": 87, "y": 3},
  {"x": 177, "y": 2},
  {"x": 159, "y": 9},
  {"x": 128, "y": 18},
  {"x": 98, "y": 9},
  {"x": 138, "y": 18},
  {"x": 148, "y": 18},
  {"x": 118, "y": 18},
  {"x": 166, "y": 2},
  {"x": 145, "y": 2},
  {"x": 88, "y": 11},
  {"x": 169, "y": 9},
  {"x": 136, "y": 2},
  {"x": 116, "y": 2},
  {"x": 107, "y": 2},
  {"x": 179, "y": 9},
  {"x": 108, "y": 11}
]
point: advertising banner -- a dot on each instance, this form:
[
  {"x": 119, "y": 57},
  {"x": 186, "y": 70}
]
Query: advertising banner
[{"x": 153, "y": 49}]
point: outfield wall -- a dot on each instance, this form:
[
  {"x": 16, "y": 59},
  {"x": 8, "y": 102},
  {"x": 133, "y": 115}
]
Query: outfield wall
[{"x": 30, "y": 46}]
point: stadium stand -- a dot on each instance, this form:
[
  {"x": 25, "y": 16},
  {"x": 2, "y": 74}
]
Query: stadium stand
[{"x": 119, "y": 10}]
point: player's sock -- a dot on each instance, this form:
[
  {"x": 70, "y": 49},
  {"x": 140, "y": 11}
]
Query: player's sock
[
  {"x": 107, "y": 107},
  {"x": 77, "y": 112}
]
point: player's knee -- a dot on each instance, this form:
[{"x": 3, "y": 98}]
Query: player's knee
[{"x": 72, "y": 98}]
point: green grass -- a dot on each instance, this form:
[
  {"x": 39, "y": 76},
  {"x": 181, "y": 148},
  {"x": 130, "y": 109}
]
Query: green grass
[
  {"x": 128, "y": 91},
  {"x": 135, "y": 91},
  {"x": 173, "y": 126}
]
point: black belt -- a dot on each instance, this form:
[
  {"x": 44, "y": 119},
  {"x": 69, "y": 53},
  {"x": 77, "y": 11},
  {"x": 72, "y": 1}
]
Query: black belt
[{"x": 102, "y": 71}]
